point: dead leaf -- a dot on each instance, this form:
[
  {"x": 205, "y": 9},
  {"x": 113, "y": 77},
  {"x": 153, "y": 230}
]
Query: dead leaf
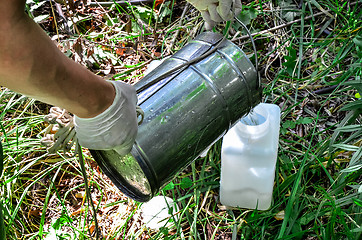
[
  {"x": 80, "y": 194},
  {"x": 120, "y": 50},
  {"x": 106, "y": 48},
  {"x": 158, "y": 2},
  {"x": 35, "y": 213},
  {"x": 77, "y": 212},
  {"x": 156, "y": 54},
  {"x": 280, "y": 215},
  {"x": 77, "y": 46},
  {"x": 92, "y": 227}
]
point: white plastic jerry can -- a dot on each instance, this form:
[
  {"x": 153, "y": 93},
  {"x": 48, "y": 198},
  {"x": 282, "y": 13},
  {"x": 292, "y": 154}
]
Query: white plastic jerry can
[{"x": 248, "y": 158}]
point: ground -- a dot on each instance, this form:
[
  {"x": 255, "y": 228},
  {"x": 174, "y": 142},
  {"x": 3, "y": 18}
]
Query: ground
[{"x": 309, "y": 56}]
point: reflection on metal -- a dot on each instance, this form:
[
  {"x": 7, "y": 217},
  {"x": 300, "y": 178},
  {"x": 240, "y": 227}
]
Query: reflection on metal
[
  {"x": 185, "y": 113},
  {"x": 128, "y": 171}
]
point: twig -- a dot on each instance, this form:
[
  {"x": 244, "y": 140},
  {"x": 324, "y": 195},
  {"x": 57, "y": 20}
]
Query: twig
[
  {"x": 55, "y": 19},
  {"x": 63, "y": 17},
  {"x": 109, "y": 17},
  {"x": 325, "y": 90},
  {"x": 179, "y": 25},
  {"x": 88, "y": 194}
]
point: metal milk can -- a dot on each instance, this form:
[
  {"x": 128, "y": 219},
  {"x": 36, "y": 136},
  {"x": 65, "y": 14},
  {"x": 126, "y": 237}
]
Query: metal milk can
[{"x": 185, "y": 112}]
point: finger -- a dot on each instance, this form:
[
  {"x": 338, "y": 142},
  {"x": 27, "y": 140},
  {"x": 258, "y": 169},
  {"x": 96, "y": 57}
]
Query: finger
[
  {"x": 214, "y": 15},
  {"x": 238, "y": 4},
  {"x": 209, "y": 24},
  {"x": 238, "y": 7},
  {"x": 224, "y": 9}
]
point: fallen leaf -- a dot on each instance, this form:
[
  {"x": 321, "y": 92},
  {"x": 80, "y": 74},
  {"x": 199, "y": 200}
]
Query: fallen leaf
[
  {"x": 280, "y": 215},
  {"x": 156, "y": 54},
  {"x": 77, "y": 212},
  {"x": 79, "y": 194},
  {"x": 120, "y": 49},
  {"x": 35, "y": 213},
  {"x": 92, "y": 227},
  {"x": 158, "y": 2}
]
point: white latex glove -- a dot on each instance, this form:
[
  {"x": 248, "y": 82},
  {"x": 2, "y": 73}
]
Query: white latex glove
[
  {"x": 116, "y": 127},
  {"x": 215, "y": 11}
]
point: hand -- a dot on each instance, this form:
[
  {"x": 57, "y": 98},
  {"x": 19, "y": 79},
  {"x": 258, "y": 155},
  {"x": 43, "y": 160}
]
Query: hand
[
  {"x": 215, "y": 11},
  {"x": 116, "y": 128}
]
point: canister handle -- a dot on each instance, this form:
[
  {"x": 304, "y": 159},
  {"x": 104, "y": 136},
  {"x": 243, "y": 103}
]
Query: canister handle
[
  {"x": 188, "y": 63},
  {"x": 180, "y": 67},
  {"x": 254, "y": 48}
]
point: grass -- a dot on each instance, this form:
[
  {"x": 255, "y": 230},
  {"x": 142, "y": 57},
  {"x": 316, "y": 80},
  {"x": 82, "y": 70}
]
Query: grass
[{"x": 311, "y": 69}]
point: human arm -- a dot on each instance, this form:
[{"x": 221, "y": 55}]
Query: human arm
[{"x": 32, "y": 65}]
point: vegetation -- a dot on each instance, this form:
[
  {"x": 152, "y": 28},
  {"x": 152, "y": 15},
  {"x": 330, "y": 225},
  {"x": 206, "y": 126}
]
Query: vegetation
[{"x": 310, "y": 64}]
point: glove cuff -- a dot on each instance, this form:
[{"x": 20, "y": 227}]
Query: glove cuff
[{"x": 115, "y": 126}]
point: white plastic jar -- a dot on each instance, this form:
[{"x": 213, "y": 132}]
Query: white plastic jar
[{"x": 248, "y": 159}]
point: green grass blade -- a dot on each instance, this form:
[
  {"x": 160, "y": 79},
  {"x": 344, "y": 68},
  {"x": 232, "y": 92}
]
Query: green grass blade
[{"x": 2, "y": 225}]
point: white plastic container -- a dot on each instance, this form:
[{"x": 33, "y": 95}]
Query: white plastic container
[{"x": 248, "y": 158}]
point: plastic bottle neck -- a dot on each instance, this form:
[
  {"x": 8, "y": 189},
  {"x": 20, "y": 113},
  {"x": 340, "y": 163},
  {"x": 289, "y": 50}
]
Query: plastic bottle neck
[{"x": 255, "y": 124}]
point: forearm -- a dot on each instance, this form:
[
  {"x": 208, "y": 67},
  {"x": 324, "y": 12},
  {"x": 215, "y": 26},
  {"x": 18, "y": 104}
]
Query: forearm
[{"x": 32, "y": 65}]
